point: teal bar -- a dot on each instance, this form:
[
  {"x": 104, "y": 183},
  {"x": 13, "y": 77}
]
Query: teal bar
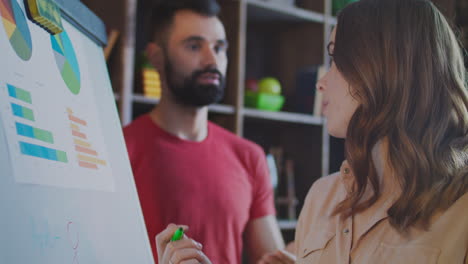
[
  {"x": 34, "y": 133},
  {"x": 24, "y": 130},
  {"x": 23, "y": 112},
  {"x": 42, "y": 152},
  {"x": 19, "y": 94}
]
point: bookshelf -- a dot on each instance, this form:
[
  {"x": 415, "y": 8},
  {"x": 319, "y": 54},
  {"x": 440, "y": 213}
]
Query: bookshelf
[{"x": 266, "y": 39}]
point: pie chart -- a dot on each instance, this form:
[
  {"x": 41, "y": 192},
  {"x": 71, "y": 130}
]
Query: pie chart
[
  {"x": 16, "y": 27},
  {"x": 67, "y": 63}
]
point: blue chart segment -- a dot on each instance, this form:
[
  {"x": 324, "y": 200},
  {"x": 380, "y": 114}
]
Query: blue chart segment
[{"x": 19, "y": 94}]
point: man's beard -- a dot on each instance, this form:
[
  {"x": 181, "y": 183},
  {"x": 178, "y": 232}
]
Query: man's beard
[{"x": 190, "y": 93}]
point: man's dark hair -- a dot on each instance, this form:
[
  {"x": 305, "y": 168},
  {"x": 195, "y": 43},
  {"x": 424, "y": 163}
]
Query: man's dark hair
[{"x": 163, "y": 13}]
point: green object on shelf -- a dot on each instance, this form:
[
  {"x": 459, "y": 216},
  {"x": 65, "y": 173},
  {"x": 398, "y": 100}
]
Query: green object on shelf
[
  {"x": 264, "y": 101},
  {"x": 269, "y": 85},
  {"x": 337, "y": 5}
]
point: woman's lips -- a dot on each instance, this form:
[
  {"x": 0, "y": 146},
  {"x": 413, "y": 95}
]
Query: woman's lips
[{"x": 324, "y": 106}]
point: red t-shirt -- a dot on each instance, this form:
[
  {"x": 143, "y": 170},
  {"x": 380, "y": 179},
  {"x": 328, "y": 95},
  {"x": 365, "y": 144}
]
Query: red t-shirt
[{"x": 215, "y": 186}]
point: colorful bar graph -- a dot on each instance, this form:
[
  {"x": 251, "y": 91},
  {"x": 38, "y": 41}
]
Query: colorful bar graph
[
  {"x": 86, "y": 155},
  {"x": 23, "y": 112},
  {"x": 43, "y": 152},
  {"x": 35, "y": 133},
  {"x": 87, "y": 165},
  {"x": 86, "y": 150},
  {"x": 19, "y": 94}
]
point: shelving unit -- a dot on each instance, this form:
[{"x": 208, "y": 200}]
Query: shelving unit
[
  {"x": 279, "y": 41},
  {"x": 266, "y": 39}
]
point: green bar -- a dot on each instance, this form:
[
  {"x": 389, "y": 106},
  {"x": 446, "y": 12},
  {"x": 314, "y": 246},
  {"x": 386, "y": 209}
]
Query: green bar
[
  {"x": 23, "y": 95},
  {"x": 62, "y": 156},
  {"x": 43, "y": 135},
  {"x": 28, "y": 113}
]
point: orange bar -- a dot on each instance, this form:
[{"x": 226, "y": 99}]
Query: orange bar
[
  {"x": 86, "y": 150},
  {"x": 77, "y": 120},
  {"x": 78, "y": 134},
  {"x": 87, "y": 165}
]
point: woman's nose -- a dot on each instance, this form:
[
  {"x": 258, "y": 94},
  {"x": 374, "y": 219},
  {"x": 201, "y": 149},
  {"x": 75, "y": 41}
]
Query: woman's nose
[{"x": 320, "y": 86}]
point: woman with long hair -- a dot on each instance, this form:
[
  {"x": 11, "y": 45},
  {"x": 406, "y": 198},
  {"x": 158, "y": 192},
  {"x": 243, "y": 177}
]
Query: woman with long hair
[{"x": 397, "y": 92}]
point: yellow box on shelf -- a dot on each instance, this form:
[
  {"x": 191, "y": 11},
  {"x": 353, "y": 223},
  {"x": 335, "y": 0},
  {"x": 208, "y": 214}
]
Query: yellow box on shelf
[
  {"x": 46, "y": 14},
  {"x": 151, "y": 83}
]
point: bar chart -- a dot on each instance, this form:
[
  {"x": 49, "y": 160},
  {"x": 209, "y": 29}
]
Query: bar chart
[
  {"x": 24, "y": 113},
  {"x": 87, "y": 157}
]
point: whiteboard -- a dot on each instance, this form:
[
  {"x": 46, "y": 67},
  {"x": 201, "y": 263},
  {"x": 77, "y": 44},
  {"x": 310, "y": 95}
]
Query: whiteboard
[{"x": 67, "y": 193}]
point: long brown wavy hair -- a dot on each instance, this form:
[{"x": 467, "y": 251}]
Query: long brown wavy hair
[{"x": 405, "y": 66}]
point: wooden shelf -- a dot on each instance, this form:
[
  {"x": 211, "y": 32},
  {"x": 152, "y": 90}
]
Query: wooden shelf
[
  {"x": 290, "y": 117},
  {"x": 216, "y": 108},
  {"x": 262, "y": 11},
  {"x": 287, "y": 224}
]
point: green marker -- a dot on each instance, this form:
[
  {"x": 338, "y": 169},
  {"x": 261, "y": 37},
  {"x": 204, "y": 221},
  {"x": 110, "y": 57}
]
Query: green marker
[{"x": 178, "y": 234}]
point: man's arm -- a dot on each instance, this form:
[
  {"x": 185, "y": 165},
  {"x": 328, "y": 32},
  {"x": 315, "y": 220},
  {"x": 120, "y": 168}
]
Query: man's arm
[{"x": 262, "y": 235}]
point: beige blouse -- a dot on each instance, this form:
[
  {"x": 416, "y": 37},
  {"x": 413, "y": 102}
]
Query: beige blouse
[{"x": 321, "y": 238}]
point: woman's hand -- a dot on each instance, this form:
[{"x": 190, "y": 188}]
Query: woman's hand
[{"x": 184, "y": 251}]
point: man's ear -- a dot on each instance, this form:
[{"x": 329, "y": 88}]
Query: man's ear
[
  {"x": 152, "y": 48},
  {"x": 157, "y": 58},
  {"x": 155, "y": 55}
]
